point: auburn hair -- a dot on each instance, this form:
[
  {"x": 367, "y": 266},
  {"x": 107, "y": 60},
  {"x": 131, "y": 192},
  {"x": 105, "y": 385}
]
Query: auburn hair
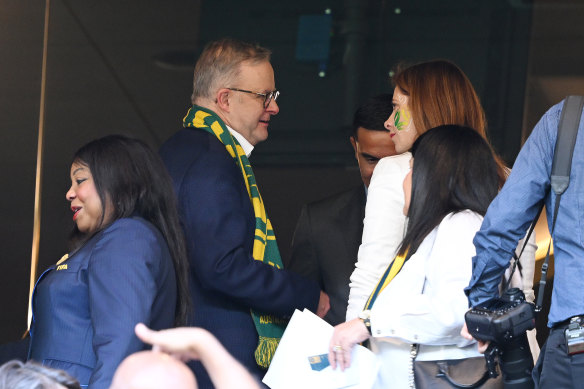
[{"x": 439, "y": 94}]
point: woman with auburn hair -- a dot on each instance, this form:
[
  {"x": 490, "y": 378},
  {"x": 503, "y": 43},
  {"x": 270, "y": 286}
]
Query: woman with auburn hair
[
  {"x": 420, "y": 297},
  {"x": 426, "y": 95},
  {"x": 432, "y": 94},
  {"x": 440, "y": 92},
  {"x": 128, "y": 264}
]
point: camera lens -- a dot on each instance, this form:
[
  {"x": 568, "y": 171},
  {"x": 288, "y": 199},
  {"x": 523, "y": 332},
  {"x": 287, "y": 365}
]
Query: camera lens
[
  {"x": 516, "y": 363},
  {"x": 513, "y": 294}
]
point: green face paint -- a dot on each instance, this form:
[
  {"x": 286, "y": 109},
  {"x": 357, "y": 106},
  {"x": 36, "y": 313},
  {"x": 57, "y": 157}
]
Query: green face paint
[{"x": 402, "y": 119}]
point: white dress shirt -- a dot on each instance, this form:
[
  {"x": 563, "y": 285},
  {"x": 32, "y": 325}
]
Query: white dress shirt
[{"x": 245, "y": 145}]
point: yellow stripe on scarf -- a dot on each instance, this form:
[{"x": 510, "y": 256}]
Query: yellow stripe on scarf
[{"x": 199, "y": 119}]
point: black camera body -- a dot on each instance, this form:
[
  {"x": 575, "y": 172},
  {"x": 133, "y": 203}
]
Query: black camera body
[
  {"x": 504, "y": 322},
  {"x": 503, "y": 319}
]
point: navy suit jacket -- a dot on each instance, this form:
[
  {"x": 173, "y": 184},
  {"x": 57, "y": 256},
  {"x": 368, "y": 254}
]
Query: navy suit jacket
[
  {"x": 226, "y": 282},
  {"x": 325, "y": 245},
  {"x": 85, "y": 309}
]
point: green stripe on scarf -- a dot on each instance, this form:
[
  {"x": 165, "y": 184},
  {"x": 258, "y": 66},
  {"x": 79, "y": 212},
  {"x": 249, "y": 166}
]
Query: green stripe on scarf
[
  {"x": 394, "y": 267},
  {"x": 265, "y": 248}
]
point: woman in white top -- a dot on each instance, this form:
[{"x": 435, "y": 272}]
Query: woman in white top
[
  {"x": 453, "y": 179},
  {"x": 426, "y": 95}
]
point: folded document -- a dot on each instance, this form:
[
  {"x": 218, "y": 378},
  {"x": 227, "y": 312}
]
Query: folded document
[{"x": 301, "y": 360}]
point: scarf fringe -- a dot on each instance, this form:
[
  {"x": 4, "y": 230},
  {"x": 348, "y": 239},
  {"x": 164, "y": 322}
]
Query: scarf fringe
[{"x": 266, "y": 350}]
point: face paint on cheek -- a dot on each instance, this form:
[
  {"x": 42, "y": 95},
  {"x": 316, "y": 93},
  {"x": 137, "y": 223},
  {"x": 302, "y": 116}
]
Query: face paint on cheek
[{"x": 403, "y": 119}]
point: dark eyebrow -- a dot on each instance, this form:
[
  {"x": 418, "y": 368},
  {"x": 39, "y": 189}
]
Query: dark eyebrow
[
  {"x": 76, "y": 170},
  {"x": 369, "y": 156}
]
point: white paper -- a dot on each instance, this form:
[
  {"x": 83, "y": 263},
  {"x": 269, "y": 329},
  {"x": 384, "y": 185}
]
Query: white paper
[{"x": 307, "y": 335}]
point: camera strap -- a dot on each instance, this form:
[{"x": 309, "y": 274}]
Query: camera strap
[
  {"x": 561, "y": 167},
  {"x": 507, "y": 281}
]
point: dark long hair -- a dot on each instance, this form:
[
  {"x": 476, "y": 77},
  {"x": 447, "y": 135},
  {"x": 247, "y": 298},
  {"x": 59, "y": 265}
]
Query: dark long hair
[
  {"x": 132, "y": 179},
  {"x": 454, "y": 170}
]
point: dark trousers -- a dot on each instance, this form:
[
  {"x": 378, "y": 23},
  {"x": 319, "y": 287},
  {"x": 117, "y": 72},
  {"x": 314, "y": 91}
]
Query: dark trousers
[{"x": 555, "y": 369}]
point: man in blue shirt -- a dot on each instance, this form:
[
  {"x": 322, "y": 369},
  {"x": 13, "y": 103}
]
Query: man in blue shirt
[{"x": 507, "y": 221}]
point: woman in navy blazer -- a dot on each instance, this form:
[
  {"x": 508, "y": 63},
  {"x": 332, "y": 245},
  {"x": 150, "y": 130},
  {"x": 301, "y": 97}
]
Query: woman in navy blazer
[{"x": 128, "y": 265}]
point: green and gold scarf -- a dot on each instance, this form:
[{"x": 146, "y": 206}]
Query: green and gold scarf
[{"x": 265, "y": 248}]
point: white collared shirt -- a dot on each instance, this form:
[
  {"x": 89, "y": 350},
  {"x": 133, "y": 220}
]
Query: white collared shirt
[{"x": 245, "y": 145}]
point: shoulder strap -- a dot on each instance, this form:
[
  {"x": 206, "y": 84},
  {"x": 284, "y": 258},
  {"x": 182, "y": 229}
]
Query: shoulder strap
[
  {"x": 561, "y": 167},
  {"x": 567, "y": 131}
]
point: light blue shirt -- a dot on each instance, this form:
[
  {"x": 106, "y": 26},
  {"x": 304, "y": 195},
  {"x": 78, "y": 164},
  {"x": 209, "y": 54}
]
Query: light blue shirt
[{"x": 513, "y": 210}]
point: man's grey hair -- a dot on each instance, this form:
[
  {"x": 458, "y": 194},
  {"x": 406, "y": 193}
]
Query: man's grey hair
[
  {"x": 219, "y": 64},
  {"x": 18, "y": 375}
]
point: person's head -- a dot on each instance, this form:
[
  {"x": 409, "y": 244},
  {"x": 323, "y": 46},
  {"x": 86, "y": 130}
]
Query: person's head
[
  {"x": 116, "y": 177},
  {"x": 370, "y": 139},
  {"x": 18, "y": 375},
  {"x": 453, "y": 169},
  {"x": 152, "y": 370},
  {"x": 431, "y": 94},
  {"x": 235, "y": 79}
]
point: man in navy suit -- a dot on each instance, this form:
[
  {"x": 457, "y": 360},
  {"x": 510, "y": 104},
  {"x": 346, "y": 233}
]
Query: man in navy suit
[
  {"x": 328, "y": 232},
  {"x": 234, "y": 98}
]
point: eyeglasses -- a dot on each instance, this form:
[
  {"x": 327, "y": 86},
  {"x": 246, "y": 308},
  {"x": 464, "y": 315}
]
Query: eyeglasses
[{"x": 268, "y": 97}]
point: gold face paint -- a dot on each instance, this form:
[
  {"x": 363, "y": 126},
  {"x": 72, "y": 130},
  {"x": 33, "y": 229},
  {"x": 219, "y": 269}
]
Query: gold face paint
[
  {"x": 403, "y": 118},
  {"x": 401, "y": 124}
]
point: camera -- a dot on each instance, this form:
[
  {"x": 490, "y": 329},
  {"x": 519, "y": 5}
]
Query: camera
[{"x": 503, "y": 322}]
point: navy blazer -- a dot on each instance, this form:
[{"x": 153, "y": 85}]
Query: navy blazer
[
  {"x": 85, "y": 309},
  {"x": 226, "y": 282}
]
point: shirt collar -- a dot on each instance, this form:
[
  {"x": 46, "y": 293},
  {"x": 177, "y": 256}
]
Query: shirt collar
[{"x": 245, "y": 145}]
